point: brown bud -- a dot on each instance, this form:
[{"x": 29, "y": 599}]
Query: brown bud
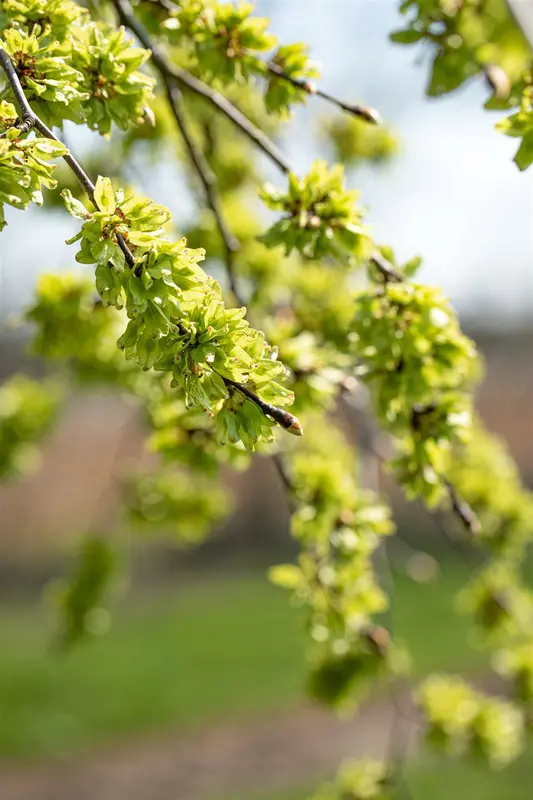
[{"x": 498, "y": 81}]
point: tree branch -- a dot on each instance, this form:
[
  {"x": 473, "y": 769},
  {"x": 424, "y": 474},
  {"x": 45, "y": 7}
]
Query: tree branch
[
  {"x": 309, "y": 87},
  {"x": 208, "y": 181},
  {"x": 283, "y": 418},
  {"x": 279, "y": 415},
  {"x": 188, "y": 81},
  {"x": 26, "y": 113},
  {"x": 388, "y": 272},
  {"x": 31, "y": 120}
]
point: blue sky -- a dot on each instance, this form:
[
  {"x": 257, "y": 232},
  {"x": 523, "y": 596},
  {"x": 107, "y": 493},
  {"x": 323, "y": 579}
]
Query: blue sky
[{"x": 453, "y": 196}]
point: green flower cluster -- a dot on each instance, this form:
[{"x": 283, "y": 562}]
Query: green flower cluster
[
  {"x": 25, "y": 165},
  {"x": 80, "y": 598},
  {"x": 91, "y": 76},
  {"x": 224, "y": 37},
  {"x": 225, "y": 42},
  {"x": 185, "y": 494},
  {"x": 281, "y": 94},
  {"x": 353, "y": 141},
  {"x": 488, "y": 479},
  {"x": 515, "y": 662},
  {"x": 338, "y": 527},
  {"x": 47, "y": 76},
  {"x": 27, "y": 410},
  {"x": 368, "y": 779},
  {"x": 420, "y": 369},
  {"x": 187, "y": 437},
  {"x": 463, "y": 720},
  {"x": 466, "y": 38},
  {"x": 321, "y": 216},
  {"x": 54, "y": 17},
  {"x": 520, "y": 126},
  {"x": 502, "y": 608},
  {"x": 114, "y": 88},
  {"x": 178, "y": 322},
  {"x": 470, "y": 38},
  {"x": 185, "y": 505},
  {"x": 69, "y": 326}
]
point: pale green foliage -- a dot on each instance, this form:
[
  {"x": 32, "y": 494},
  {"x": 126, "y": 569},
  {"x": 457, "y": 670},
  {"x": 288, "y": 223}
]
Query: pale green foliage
[
  {"x": 46, "y": 75},
  {"x": 520, "y": 125},
  {"x": 53, "y": 16},
  {"x": 339, "y": 527},
  {"x": 466, "y": 37},
  {"x": 464, "y": 720},
  {"x": 515, "y": 662},
  {"x": 321, "y": 217},
  {"x": 338, "y": 312},
  {"x": 294, "y": 60},
  {"x": 26, "y": 167},
  {"x": 469, "y": 38},
  {"x": 115, "y": 89},
  {"x": 68, "y": 325},
  {"x": 420, "y": 369},
  {"x": 178, "y": 322},
  {"x": 353, "y": 141},
  {"x": 90, "y": 76},
  {"x": 225, "y": 37},
  {"x": 187, "y": 507},
  {"x": 27, "y": 410},
  {"x": 501, "y": 607},
  {"x": 502, "y": 504},
  {"x": 81, "y": 598},
  {"x": 359, "y": 780}
]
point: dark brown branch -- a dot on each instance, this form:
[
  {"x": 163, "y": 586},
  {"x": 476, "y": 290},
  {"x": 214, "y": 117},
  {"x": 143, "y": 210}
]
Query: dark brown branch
[
  {"x": 388, "y": 272},
  {"x": 27, "y": 114},
  {"x": 284, "y": 418},
  {"x": 309, "y": 87},
  {"x": 188, "y": 81},
  {"x": 462, "y": 510}
]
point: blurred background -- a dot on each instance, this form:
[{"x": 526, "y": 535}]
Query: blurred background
[{"x": 198, "y": 691}]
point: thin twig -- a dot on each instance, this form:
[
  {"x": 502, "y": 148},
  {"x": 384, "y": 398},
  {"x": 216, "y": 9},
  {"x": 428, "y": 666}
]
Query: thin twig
[
  {"x": 284, "y": 418},
  {"x": 389, "y": 273},
  {"x": 31, "y": 120},
  {"x": 309, "y": 87},
  {"x": 27, "y": 114},
  {"x": 170, "y": 72},
  {"x": 208, "y": 181},
  {"x": 462, "y": 510},
  {"x": 189, "y": 81}
]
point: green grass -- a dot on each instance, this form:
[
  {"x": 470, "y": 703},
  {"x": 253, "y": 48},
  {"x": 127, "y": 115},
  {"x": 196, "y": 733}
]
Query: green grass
[
  {"x": 445, "y": 779},
  {"x": 213, "y": 650},
  {"x": 175, "y": 661}
]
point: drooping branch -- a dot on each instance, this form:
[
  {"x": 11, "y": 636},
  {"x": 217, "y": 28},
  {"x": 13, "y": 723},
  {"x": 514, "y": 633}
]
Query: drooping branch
[
  {"x": 283, "y": 418},
  {"x": 28, "y": 118},
  {"x": 387, "y": 270},
  {"x": 207, "y": 179},
  {"x": 188, "y": 81},
  {"x": 309, "y": 87},
  {"x": 31, "y": 120}
]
